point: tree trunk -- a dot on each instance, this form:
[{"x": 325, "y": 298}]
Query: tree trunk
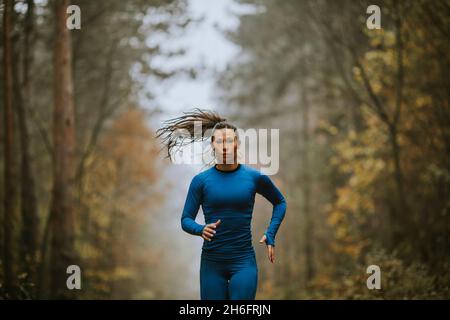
[
  {"x": 10, "y": 197},
  {"x": 62, "y": 252},
  {"x": 401, "y": 207},
  {"x": 30, "y": 216},
  {"x": 306, "y": 184}
]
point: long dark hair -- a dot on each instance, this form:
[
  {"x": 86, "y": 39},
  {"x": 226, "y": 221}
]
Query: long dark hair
[{"x": 210, "y": 121}]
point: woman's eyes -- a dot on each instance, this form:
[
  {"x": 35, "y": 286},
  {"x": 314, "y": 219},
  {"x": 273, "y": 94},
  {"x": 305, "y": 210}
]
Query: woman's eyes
[{"x": 230, "y": 140}]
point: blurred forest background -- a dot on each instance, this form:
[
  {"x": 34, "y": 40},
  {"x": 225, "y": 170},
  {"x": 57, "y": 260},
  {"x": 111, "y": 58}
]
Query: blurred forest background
[{"x": 364, "y": 124}]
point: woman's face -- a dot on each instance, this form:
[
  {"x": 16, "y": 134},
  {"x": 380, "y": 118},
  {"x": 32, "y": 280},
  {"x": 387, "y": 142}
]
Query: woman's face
[{"x": 225, "y": 146}]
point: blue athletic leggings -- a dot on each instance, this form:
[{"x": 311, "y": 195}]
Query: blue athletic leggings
[{"x": 228, "y": 280}]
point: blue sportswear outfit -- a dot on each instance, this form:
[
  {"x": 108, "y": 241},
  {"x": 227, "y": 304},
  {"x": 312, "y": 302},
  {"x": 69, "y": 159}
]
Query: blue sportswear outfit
[{"x": 228, "y": 267}]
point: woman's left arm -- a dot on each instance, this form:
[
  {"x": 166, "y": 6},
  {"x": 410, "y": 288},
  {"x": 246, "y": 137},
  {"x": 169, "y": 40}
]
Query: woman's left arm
[{"x": 267, "y": 188}]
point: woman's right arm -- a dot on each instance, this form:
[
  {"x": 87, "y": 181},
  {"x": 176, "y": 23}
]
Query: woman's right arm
[{"x": 191, "y": 207}]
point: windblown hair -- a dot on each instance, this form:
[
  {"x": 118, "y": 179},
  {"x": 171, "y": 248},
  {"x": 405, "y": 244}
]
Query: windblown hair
[{"x": 170, "y": 132}]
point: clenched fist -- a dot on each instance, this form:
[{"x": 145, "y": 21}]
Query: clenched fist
[{"x": 209, "y": 230}]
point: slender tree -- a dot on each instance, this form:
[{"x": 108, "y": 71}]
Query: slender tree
[
  {"x": 10, "y": 200},
  {"x": 28, "y": 201},
  {"x": 62, "y": 205}
]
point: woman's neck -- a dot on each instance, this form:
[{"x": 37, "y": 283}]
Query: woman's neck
[{"x": 227, "y": 166}]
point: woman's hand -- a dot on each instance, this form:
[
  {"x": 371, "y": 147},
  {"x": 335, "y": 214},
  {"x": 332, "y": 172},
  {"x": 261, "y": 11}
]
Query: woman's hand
[
  {"x": 270, "y": 249},
  {"x": 209, "y": 230}
]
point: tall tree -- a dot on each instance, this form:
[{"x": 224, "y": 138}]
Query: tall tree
[
  {"x": 62, "y": 211},
  {"x": 306, "y": 181},
  {"x": 28, "y": 200},
  {"x": 10, "y": 201}
]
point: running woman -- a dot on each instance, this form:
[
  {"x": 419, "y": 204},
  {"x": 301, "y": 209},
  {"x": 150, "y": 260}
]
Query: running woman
[{"x": 226, "y": 192}]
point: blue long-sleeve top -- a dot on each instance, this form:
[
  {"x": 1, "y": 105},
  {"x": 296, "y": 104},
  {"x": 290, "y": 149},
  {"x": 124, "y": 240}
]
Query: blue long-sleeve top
[{"x": 230, "y": 197}]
